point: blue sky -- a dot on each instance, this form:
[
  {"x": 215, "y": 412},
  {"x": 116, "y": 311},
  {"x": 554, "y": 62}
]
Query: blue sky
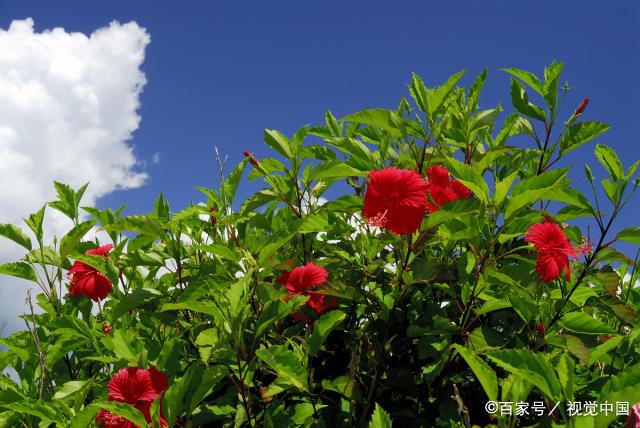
[{"x": 219, "y": 72}]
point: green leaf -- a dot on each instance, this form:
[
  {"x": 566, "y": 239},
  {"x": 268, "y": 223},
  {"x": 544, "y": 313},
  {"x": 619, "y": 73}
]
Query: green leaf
[
  {"x": 531, "y": 366},
  {"x": 16, "y": 234},
  {"x": 333, "y": 169},
  {"x": 629, "y": 234},
  {"x": 527, "y": 77},
  {"x": 437, "y": 96},
  {"x": 322, "y": 328},
  {"x": 550, "y": 87},
  {"x": 419, "y": 92},
  {"x": 599, "y": 351},
  {"x": 175, "y": 395},
  {"x": 609, "y": 159},
  {"x": 580, "y": 133},
  {"x": 453, "y": 210},
  {"x": 85, "y": 417},
  {"x": 485, "y": 374},
  {"x": 623, "y": 387},
  {"x": 69, "y": 388},
  {"x": 125, "y": 410},
  {"x": 137, "y": 298},
  {"x": 581, "y": 322},
  {"x": 66, "y": 202},
  {"x": 286, "y": 365},
  {"x": 566, "y": 368},
  {"x": 278, "y": 142},
  {"x": 520, "y": 101},
  {"x": 257, "y": 200},
  {"x": 502, "y": 187},
  {"x": 379, "y": 418},
  {"x": 469, "y": 177},
  {"x": 127, "y": 345},
  {"x": 475, "y": 88},
  {"x": 353, "y": 146},
  {"x": 74, "y": 236},
  {"x": 316, "y": 222},
  {"x": 35, "y": 222},
  {"x": 46, "y": 411},
  {"x": 19, "y": 269},
  {"x": 205, "y": 308},
  {"x": 277, "y": 310},
  {"x": 534, "y": 188},
  {"x": 386, "y": 120},
  {"x": 230, "y": 186},
  {"x": 220, "y": 251}
]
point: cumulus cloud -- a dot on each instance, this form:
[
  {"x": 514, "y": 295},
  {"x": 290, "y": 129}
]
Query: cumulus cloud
[{"x": 68, "y": 108}]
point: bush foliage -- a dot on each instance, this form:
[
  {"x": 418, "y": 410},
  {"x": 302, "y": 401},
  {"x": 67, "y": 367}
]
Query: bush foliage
[{"x": 420, "y": 328}]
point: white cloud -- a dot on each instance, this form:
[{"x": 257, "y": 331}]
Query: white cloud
[{"x": 68, "y": 107}]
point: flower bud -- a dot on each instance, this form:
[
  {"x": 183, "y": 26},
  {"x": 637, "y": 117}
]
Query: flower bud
[
  {"x": 246, "y": 153},
  {"x": 105, "y": 328},
  {"x": 540, "y": 329},
  {"x": 581, "y": 107},
  {"x": 212, "y": 218},
  {"x": 254, "y": 162},
  {"x": 588, "y": 173}
]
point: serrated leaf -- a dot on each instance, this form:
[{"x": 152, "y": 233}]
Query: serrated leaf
[
  {"x": 15, "y": 234},
  {"x": 581, "y": 133},
  {"x": 550, "y": 87},
  {"x": 609, "y": 159},
  {"x": 174, "y": 397},
  {"x": 323, "y": 327},
  {"x": 286, "y": 365},
  {"x": 20, "y": 270},
  {"x": 386, "y": 120},
  {"x": 629, "y": 234},
  {"x": 531, "y": 366},
  {"x": 35, "y": 222},
  {"x": 278, "y": 142},
  {"x": 527, "y": 77},
  {"x": 581, "y": 322},
  {"x": 622, "y": 387},
  {"x": 437, "y": 96},
  {"x": 74, "y": 236},
  {"x": 379, "y": 418},
  {"x": 485, "y": 374},
  {"x": 520, "y": 101},
  {"x": 277, "y": 310},
  {"x": 333, "y": 169}
]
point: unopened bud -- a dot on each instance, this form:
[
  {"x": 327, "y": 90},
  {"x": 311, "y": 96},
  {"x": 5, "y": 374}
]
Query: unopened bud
[
  {"x": 105, "y": 328},
  {"x": 254, "y": 162},
  {"x": 213, "y": 218},
  {"x": 582, "y": 106},
  {"x": 588, "y": 173},
  {"x": 540, "y": 329},
  {"x": 246, "y": 153}
]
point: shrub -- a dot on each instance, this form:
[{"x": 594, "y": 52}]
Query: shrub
[{"x": 406, "y": 265}]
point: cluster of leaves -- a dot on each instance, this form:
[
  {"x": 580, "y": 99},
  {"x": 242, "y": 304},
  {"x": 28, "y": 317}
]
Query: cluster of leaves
[{"x": 428, "y": 327}]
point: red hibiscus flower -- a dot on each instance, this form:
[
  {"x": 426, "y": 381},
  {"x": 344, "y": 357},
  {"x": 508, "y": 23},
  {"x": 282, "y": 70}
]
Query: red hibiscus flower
[
  {"x": 138, "y": 388},
  {"x": 303, "y": 280},
  {"x": 87, "y": 281},
  {"x": 442, "y": 189},
  {"x": 553, "y": 249},
  {"x": 633, "y": 420},
  {"x": 396, "y": 199}
]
